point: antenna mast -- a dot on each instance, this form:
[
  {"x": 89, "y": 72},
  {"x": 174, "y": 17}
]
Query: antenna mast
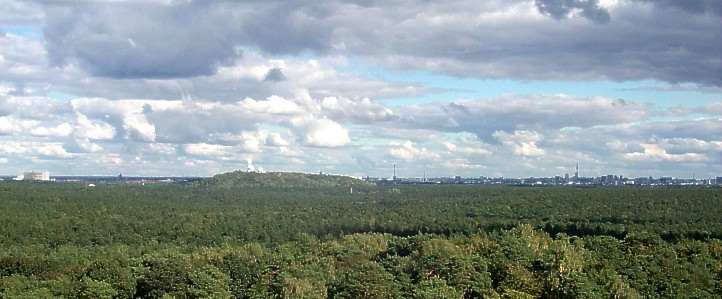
[{"x": 394, "y": 172}]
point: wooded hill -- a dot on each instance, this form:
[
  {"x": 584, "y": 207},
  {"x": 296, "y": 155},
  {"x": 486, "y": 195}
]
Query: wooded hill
[{"x": 242, "y": 179}]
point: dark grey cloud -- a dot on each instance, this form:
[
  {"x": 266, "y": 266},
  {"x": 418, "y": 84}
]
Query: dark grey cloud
[
  {"x": 192, "y": 125},
  {"x": 691, "y": 6},
  {"x": 703, "y": 129},
  {"x": 25, "y": 64},
  {"x": 177, "y": 39},
  {"x": 536, "y": 113},
  {"x": 561, "y": 9},
  {"x": 275, "y": 75},
  {"x": 633, "y": 40},
  {"x": 638, "y": 43},
  {"x": 292, "y": 27},
  {"x": 140, "y": 40}
]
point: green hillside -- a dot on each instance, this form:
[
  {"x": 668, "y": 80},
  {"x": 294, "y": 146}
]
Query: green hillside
[{"x": 242, "y": 179}]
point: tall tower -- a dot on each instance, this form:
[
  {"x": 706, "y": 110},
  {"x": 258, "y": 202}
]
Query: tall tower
[
  {"x": 394, "y": 172},
  {"x": 576, "y": 171}
]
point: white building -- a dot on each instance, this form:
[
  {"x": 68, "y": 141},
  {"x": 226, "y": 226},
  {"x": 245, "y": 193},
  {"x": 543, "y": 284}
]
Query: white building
[{"x": 36, "y": 176}]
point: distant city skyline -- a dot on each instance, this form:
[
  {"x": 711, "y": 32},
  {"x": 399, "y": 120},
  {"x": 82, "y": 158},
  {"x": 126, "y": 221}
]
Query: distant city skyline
[
  {"x": 567, "y": 177},
  {"x": 545, "y": 181},
  {"x": 494, "y": 88}
]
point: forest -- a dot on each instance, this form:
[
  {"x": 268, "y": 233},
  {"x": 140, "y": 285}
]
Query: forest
[{"x": 283, "y": 236}]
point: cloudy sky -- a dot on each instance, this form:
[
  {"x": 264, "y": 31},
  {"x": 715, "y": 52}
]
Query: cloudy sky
[{"x": 512, "y": 88}]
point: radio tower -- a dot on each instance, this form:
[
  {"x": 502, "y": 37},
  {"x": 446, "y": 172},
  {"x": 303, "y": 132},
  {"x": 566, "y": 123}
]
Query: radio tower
[
  {"x": 576, "y": 172},
  {"x": 394, "y": 172}
]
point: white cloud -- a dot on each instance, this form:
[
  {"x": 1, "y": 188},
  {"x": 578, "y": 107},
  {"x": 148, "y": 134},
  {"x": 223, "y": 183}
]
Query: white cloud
[
  {"x": 275, "y": 139},
  {"x": 693, "y": 145},
  {"x": 272, "y": 105},
  {"x": 111, "y": 159},
  {"x": 161, "y": 148},
  {"x": 52, "y": 150},
  {"x": 11, "y": 125},
  {"x": 138, "y": 127},
  {"x": 468, "y": 146},
  {"x": 408, "y": 151},
  {"x": 522, "y": 143},
  {"x": 461, "y": 163},
  {"x": 61, "y": 130},
  {"x": 93, "y": 129},
  {"x": 159, "y": 135},
  {"x": 322, "y": 132},
  {"x": 204, "y": 149},
  {"x": 654, "y": 152},
  {"x": 84, "y": 145},
  {"x": 362, "y": 111},
  {"x": 29, "y": 149},
  {"x": 252, "y": 141},
  {"x": 532, "y": 113},
  {"x": 289, "y": 152}
]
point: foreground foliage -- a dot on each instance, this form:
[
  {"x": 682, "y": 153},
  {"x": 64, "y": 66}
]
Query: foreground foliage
[{"x": 202, "y": 241}]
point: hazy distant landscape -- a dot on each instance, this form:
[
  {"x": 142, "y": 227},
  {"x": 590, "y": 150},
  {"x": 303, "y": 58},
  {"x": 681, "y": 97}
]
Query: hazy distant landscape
[{"x": 250, "y": 235}]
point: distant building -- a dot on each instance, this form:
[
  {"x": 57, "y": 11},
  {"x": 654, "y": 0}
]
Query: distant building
[{"x": 36, "y": 176}]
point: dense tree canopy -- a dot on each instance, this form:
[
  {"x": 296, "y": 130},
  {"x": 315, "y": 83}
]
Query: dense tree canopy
[{"x": 317, "y": 240}]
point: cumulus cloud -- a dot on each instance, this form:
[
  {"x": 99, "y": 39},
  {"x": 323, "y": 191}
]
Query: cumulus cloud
[
  {"x": 484, "y": 117},
  {"x": 61, "y": 130},
  {"x": 82, "y": 145},
  {"x": 522, "y": 143},
  {"x": 11, "y": 125},
  {"x": 93, "y": 129},
  {"x": 272, "y": 105},
  {"x": 654, "y": 152},
  {"x": 204, "y": 149},
  {"x": 408, "y": 151},
  {"x": 274, "y": 75},
  {"x": 361, "y": 111},
  {"x": 467, "y": 150},
  {"x": 275, "y": 139},
  {"x": 322, "y": 132},
  {"x": 465, "y": 137},
  {"x": 127, "y": 116},
  {"x": 45, "y": 150},
  {"x": 680, "y": 145}
]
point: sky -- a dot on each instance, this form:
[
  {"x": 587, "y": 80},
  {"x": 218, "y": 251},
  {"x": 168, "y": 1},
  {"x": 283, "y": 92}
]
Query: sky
[{"x": 473, "y": 88}]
